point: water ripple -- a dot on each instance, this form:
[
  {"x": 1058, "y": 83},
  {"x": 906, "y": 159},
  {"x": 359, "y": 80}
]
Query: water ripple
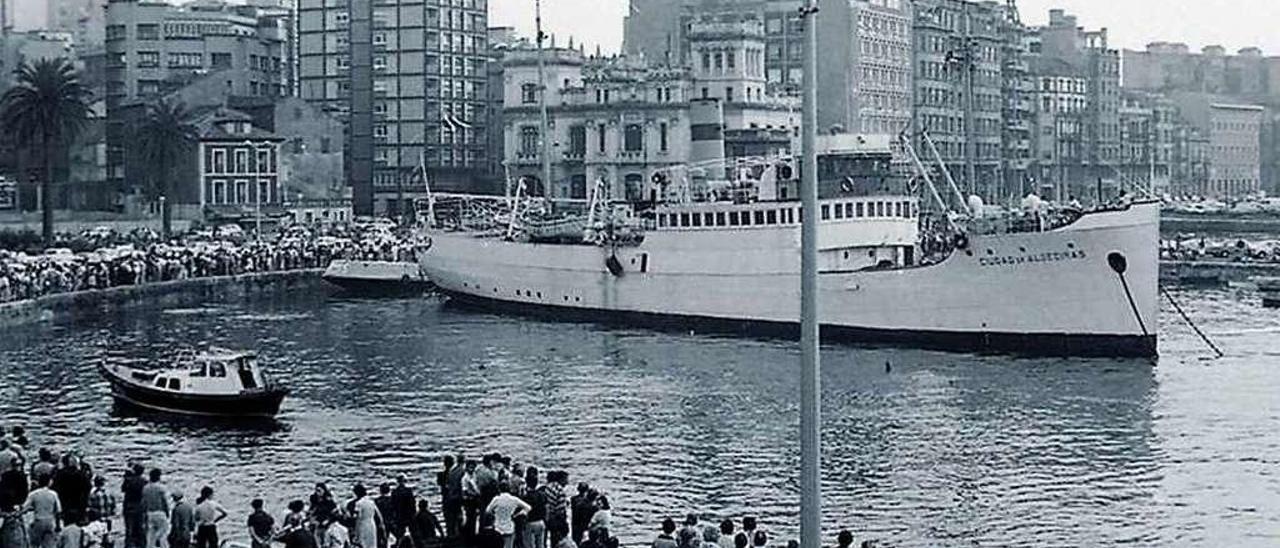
[{"x": 944, "y": 450}]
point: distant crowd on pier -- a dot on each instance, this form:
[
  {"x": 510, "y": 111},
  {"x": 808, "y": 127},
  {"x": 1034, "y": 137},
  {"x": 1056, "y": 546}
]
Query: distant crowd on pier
[
  {"x": 492, "y": 502},
  {"x": 111, "y": 260}
]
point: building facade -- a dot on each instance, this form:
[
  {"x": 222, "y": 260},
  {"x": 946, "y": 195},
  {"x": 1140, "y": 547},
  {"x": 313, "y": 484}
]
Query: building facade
[
  {"x": 1094, "y": 155},
  {"x": 631, "y": 125},
  {"x": 864, "y": 68},
  {"x": 657, "y": 31},
  {"x": 959, "y": 86},
  {"x": 1233, "y": 144},
  {"x": 238, "y": 164},
  {"x": 425, "y": 101},
  {"x": 154, "y": 49}
]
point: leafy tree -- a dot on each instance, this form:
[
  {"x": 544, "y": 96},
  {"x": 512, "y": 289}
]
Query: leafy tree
[
  {"x": 164, "y": 136},
  {"x": 47, "y": 108}
]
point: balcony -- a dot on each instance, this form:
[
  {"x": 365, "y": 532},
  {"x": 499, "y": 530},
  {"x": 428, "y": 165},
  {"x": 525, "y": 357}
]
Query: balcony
[{"x": 574, "y": 156}]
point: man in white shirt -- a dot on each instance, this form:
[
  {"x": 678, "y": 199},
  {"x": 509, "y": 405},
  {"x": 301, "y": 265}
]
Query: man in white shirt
[{"x": 504, "y": 508}]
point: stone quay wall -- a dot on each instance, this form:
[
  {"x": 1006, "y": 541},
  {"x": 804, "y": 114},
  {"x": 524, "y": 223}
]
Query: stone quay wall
[{"x": 87, "y": 304}]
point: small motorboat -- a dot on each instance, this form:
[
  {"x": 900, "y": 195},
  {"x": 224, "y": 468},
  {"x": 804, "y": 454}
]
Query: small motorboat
[
  {"x": 376, "y": 277},
  {"x": 219, "y": 383}
]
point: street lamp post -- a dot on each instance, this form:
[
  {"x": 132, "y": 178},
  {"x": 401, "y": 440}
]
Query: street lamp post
[
  {"x": 256, "y": 173},
  {"x": 810, "y": 363}
]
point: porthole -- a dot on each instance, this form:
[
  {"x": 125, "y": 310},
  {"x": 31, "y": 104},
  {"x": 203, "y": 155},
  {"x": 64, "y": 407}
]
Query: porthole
[
  {"x": 991, "y": 252},
  {"x": 1022, "y": 249},
  {"x": 539, "y": 294}
]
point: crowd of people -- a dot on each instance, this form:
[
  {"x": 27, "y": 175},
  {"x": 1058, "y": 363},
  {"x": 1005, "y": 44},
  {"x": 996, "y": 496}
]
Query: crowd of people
[
  {"x": 140, "y": 258},
  {"x": 492, "y": 502}
]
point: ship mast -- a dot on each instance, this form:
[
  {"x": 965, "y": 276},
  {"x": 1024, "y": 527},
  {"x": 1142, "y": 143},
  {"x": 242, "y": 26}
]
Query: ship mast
[
  {"x": 542, "y": 93},
  {"x": 810, "y": 363}
]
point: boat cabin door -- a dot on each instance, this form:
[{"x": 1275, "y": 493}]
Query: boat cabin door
[{"x": 245, "y": 369}]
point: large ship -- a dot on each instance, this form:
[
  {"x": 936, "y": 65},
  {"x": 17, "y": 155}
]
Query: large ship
[{"x": 1037, "y": 279}]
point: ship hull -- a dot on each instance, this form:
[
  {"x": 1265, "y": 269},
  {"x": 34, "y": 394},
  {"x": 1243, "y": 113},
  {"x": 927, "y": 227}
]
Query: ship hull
[{"x": 1047, "y": 293}]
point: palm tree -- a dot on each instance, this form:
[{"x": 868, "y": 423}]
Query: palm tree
[
  {"x": 47, "y": 107},
  {"x": 164, "y": 136}
]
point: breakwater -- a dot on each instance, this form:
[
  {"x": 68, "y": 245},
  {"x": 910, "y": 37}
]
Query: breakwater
[
  {"x": 84, "y": 304},
  {"x": 1215, "y": 272}
]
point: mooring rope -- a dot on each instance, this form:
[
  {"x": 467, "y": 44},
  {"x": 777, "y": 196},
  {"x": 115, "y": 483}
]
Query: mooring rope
[{"x": 1187, "y": 319}]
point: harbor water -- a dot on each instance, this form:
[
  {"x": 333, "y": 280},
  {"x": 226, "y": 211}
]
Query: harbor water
[{"x": 921, "y": 448}]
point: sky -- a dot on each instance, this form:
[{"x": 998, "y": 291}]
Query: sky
[{"x": 1132, "y": 23}]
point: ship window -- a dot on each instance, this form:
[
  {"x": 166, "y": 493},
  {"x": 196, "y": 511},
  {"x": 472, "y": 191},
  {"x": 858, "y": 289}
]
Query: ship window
[
  {"x": 662, "y": 221},
  {"x": 684, "y": 219},
  {"x": 733, "y": 218},
  {"x": 160, "y": 381},
  {"x": 745, "y": 217},
  {"x": 175, "y": 384},
  {"x": 826, "y": 212},
  {"x": 218, "y": 370},
  {"x": 897, "y": 209},
  {"x": 858, "y": 209},
  {"x": 848, "y": 209},
  {"x": 709, "y": 219},
  {"x": 720, "y": 218},
  {"x": 839, "y": 211},
  {"x": 201, "y": 370},
  {"x": 759, "y": 215},
  {"x": 773, "y": 216},
  {"x": 697, "y": 219},
  {"x": 879, "y": 209},
  {"x": 791, "y": 216}
]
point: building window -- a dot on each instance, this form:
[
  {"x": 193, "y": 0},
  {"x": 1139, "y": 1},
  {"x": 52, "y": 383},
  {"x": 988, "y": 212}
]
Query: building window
[
  {"x": 242, "y": 192},
  {"x": 148, "y": 59},
  {"x": 242, "y": 162},
  {"x": 219, "y": 192},
  {"x": 633, "y": 138},
  {"x": 600, "y": 138},
  {"x": 529, "y": 94},
  {"x": 528, "y": 141},
  {"x": 148, "y": 32},
  {"x": 219, "y": 161},
  {"x": 728, "y": 95},
  {"x": 577, "y": 140},
  {"x": 662, "y": 136}
]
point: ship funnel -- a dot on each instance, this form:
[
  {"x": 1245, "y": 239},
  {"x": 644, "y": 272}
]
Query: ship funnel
[{"x": 706, "y": 143}]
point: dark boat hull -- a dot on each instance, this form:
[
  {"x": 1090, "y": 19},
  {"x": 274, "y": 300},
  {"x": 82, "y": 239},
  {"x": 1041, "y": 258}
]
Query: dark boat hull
[
  {"x": 265, "y": 403},
  {"x": 1019, "y": 344},
  {"x": 365, "y": 286}
]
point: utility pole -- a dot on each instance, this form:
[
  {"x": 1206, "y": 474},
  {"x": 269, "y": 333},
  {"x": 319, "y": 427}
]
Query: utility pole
[
  {"x": 810, "y": 360},
  {"x": 542, "y": 91}
]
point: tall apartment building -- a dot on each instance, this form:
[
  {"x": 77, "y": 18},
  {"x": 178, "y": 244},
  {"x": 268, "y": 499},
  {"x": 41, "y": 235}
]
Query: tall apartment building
[
  {"x": 864, "y": 65},
  {"x": 959, "y": 88},
  {"x": 1086, "y": 54},
  {"x": 154, "y": 48},
  {"x": 410, "y": 77}
]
